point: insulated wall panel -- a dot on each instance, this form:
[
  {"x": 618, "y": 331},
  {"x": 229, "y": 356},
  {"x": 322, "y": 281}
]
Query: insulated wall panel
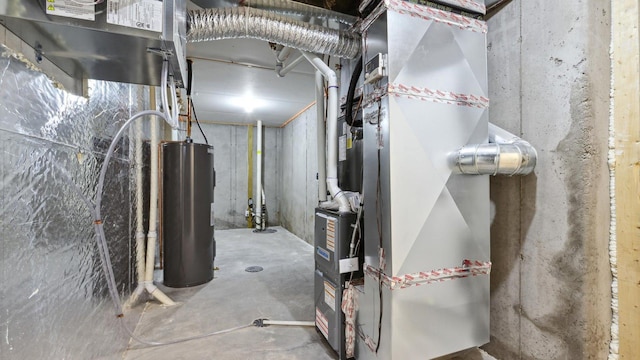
[{"x": 53, "y": 299}]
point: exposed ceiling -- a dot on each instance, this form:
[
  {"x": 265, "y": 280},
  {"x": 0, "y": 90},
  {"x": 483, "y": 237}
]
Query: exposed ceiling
[{"x": 234, "y": 81}]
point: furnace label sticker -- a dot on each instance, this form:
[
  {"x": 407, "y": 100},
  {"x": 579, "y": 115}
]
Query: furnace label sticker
[
  {"x": 342, "y": 148},
  {"x": 322, "y": 323},
  {"x": 331, "y": 234},
  {"x": 323, "y": 253},
  {"x": 330, "y": 295},
  {"x": 72, "y": 9},
  {"x": 140, "y": 14}
]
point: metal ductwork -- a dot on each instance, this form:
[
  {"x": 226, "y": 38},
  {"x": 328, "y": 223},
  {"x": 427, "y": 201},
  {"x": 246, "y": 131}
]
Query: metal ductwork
[
  {"x": 505, "y": 154},
  {"x": 246, "y": 22},
  {"x": 111, "y": 43},
  {"x": 303, "y": 11}
]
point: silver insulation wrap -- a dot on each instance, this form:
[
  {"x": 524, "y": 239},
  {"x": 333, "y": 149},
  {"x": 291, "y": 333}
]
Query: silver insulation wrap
[
  {"x": 506, "y": 154},
  {"x": 55, "y": 303},
  {"x": 246, "y": 22},
  {"x": 293, "y": 8}
]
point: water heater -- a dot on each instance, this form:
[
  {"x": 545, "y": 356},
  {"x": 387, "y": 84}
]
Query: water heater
[{"x": 188, "y": 179}]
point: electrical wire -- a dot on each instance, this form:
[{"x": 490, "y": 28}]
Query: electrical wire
[
  {"x": 195, "y": 116},
  {"x": 355, "y": 77},
  {"x": 379, "y": 225}
]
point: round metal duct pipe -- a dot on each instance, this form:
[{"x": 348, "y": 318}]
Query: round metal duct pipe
[{"x": 505, "y": 154}]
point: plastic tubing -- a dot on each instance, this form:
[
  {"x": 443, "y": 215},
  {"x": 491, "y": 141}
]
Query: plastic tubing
[
  {"x": 107, "y": 268},
  {"x": 163, "y": 94},
  {"x": 175, "y": 112}
]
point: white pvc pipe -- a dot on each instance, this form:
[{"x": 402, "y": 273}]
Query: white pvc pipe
[
  {"x": 332, "y": 131},
  {"x": 140, "y": 266},
  {"x": 283, "y": 54},
  {"x": 152, "y": 236},
  {"x": 282, "y": 71},
  {"x": 173, "y": 122},
  {"x": 259, "y": 177},
  {"x": 322, "y": 138},
  {"x": 289, "y": 323}
]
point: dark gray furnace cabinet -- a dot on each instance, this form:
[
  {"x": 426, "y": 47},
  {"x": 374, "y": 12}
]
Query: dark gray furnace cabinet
[{"x": 332, "y": 237}]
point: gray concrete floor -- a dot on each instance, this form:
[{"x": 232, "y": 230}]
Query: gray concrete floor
[{"x": 282, "y": 291}]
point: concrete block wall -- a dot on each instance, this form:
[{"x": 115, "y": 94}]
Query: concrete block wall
[{"x": 549, "y": 81}]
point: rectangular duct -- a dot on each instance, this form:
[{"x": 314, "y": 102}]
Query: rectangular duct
[{"x": 115, "y": 40}]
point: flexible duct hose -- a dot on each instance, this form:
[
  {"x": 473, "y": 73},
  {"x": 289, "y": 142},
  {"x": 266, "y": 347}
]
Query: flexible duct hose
[{"x": 246, "y": 22}]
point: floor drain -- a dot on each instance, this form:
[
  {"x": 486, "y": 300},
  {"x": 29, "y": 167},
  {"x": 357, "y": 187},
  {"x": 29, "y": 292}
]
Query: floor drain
[
  {"x": 265, "y": 231},
  {"x": 253, "y": 269}
]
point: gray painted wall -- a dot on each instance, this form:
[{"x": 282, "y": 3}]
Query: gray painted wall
[
  {"x": 549, "y": 81},
  {"x": 53, "y": 295},
  {"x": 230, "y": 156}
]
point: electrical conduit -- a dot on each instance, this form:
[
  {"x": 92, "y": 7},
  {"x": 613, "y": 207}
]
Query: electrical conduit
[{"x": 332, "y": 131}]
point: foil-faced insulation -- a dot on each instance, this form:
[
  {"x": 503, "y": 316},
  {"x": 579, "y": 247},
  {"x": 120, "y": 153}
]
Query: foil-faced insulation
[
  {"x": 246, "y": 22},
  {"x": 284, "y": 7},
  {"x": 54, "y": 297}
]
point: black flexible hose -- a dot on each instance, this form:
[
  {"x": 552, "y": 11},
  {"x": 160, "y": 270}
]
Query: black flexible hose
[
  {"x": 193, "y": 108},
  {"x": 189, "y": 76},
  {"x": 355, "y": 76}
]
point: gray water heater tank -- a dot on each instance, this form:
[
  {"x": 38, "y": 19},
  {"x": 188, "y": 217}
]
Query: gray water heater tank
[{"x": 189, "y": 244}]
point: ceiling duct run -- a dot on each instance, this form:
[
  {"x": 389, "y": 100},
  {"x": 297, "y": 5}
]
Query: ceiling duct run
[
  {"x": 341, "y": 12},
  {"x": 246, "y": 22}
]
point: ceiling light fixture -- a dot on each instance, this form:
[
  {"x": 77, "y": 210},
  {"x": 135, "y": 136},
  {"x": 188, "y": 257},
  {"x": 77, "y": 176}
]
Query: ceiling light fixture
[{"x": 248, "y": 102}]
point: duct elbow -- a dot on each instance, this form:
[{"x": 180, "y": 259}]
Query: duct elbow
[
  {"x": 518, "y": 158},
  {"x": 338, "y": 195}
]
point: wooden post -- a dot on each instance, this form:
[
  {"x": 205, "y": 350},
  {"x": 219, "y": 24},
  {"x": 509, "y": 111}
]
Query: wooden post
[{"x": 626, "y": 77}]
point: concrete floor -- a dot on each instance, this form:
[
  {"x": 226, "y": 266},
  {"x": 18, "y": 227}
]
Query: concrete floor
[{"x": 282, "y": 291}]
